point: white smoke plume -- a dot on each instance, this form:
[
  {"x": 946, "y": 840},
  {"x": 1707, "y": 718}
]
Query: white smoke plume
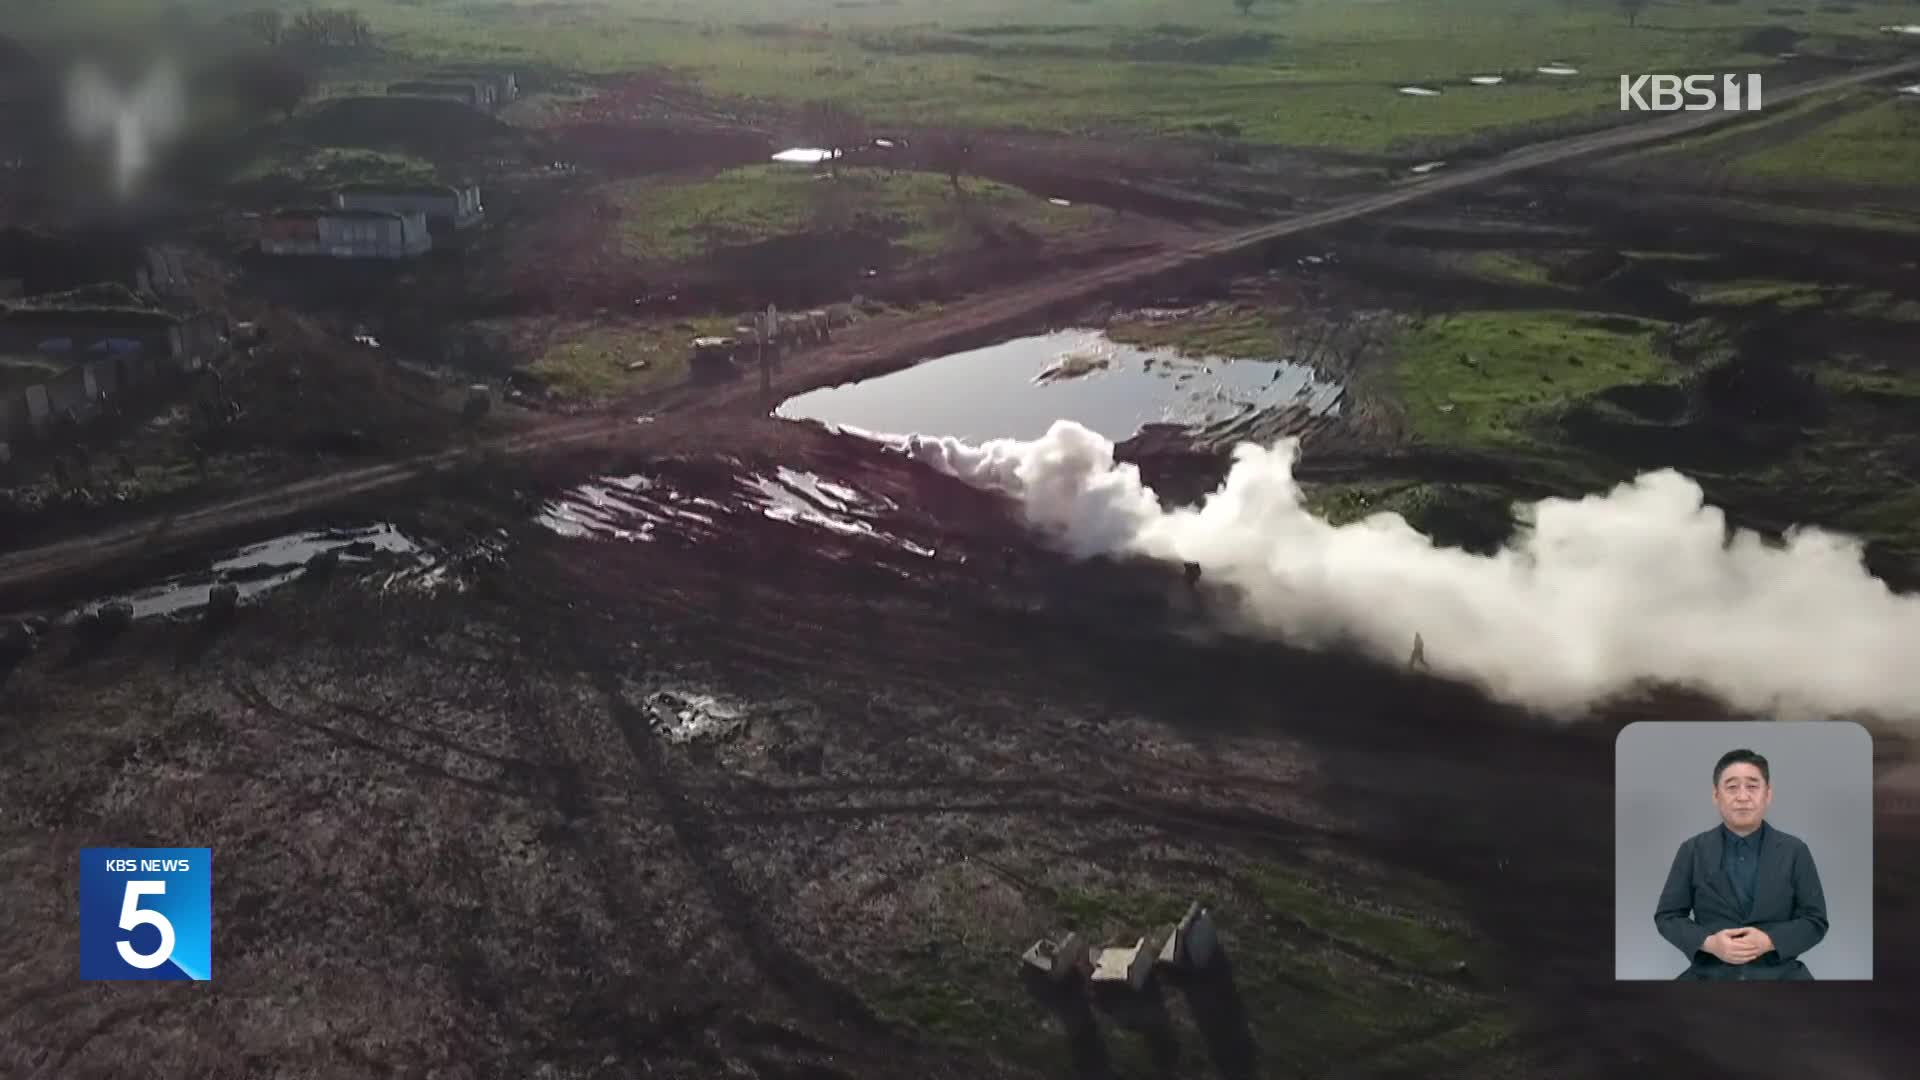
[
  {"x": 136, "y": 119},
  {"x": 1593, "y": 596}
]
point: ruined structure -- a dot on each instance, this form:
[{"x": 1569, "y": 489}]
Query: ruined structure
[
  {"x": 346, "y": 234},
  {"x": 65, "y": 357},
  {"x": 460, "y": 90},
  {"x": 495, "y": 88},
  {"x": 444, "y": 206}
]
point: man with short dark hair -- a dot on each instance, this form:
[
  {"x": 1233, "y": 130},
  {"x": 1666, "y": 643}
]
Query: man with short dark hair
[{"x": 1743, "y": 899}]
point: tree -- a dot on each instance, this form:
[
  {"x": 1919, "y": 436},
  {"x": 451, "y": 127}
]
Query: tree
[
  {"x": 1245, "y": 6},
  {"x": 266, "y": 24},
  {"x": 1632, "y": 9},
  {"x": 950, "y": 155},
  {"x": 341, "y": 28}
]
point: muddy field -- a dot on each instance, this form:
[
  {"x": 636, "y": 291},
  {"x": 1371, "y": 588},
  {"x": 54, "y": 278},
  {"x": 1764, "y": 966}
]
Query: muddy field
[
  {"x": 725, "y": 745},
  {"x": 782, "y": 799}
]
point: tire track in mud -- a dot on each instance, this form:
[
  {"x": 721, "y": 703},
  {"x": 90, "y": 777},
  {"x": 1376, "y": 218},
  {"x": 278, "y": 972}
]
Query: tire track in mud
[
  {"x": 568, "y": 644},
  {"x": 809, "y": 990},
  {"x": 601, "y": 1008},
  {"x": 536, "y": 995}
]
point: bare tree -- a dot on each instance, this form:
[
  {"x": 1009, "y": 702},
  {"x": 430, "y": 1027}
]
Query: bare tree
[
  {"x": 951, "y": 154},
  {"x": 266, "y": 24},
  {"x": 1632, "y": 9},
  {"x": 342, "y": 28}
]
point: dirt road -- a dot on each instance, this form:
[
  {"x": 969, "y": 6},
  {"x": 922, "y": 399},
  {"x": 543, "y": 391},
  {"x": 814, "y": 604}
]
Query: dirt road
[{"x": 872, "y": 349}]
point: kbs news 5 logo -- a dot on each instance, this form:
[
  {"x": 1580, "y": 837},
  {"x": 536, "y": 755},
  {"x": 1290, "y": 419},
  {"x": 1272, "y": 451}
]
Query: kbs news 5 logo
[{"x": 146, "y": 913}]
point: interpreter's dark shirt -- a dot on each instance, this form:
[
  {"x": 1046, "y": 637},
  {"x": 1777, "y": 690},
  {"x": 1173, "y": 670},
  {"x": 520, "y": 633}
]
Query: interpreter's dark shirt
[{"x": 1740, "y": 858}]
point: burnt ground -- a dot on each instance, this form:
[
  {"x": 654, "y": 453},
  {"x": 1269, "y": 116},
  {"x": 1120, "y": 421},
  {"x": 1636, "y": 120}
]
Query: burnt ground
[{"x": 449, "y": 840}]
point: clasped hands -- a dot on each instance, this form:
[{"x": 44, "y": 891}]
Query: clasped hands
[{"x": 1740, "y": 945}]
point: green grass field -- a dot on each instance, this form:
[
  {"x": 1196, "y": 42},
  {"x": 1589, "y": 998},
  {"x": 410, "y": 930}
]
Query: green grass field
[
  {"x": 587, "y": 364},
  {"x": 1485, "y": 378},
  {"x": 670, "y": 221},
  {"x": 1506, "y": 267},
  {"x": 1235, "y": 332},
  {"x": 1749, "y": 292},
  {"x": 1878, "y": 145},
  {"x": 1872, "y": 141},
  {"x": 1329, "y": 973},
  {"x": 331, "y": 166},
  {"x": 1309, "y": 72}
]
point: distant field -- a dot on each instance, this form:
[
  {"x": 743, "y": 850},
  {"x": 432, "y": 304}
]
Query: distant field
[
  {"x": 1879, "y": 145},
  {"x": 1309, "y": 72},
  {"x": 919, "y": 212}
]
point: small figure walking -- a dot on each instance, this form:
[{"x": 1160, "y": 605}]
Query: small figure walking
[{"x": 1419, "y": 657}]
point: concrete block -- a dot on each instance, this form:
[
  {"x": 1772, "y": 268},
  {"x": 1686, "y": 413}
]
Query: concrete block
[
  {"x": 1129, "y": 966},
  {"x": 1192, "y": 942},
  {"x": 1060, "y": 960}
]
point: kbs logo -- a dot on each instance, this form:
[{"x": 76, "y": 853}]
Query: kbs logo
[
  {"x": 146, "y": 913},
  {"x": 1692, "y": 93}
]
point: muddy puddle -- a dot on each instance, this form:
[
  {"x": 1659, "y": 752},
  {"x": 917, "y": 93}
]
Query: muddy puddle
[
  {"x": 1908, "y": 28},
  {"x": 260, "y": 568},
  {"x": 1419, "y": 91},
  {"x": 1017, "y": 389},
  {"x": 1424, "y": 168},
  {"x": 1486, "y": 80},
  {"x": 642, "y": 509},
  {"x": 1557, "y": 69}
]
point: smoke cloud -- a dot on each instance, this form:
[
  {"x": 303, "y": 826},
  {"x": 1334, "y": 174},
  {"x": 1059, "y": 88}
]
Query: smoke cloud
[
  {"x": 1591, "y": 598},
  {"x": 137, "y": 119}
]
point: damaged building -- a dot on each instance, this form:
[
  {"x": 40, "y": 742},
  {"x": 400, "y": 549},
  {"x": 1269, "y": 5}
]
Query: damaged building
[
  {"x": 464, "y": 91},
  {"x": 446, "y": 207},
  {"x": 346, "y": 234},
  {"x": 496, "y": 88},
  {"x": 63, "y": 357}
]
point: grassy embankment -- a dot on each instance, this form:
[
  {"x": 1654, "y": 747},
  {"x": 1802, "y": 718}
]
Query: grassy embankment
[{"x": 1325, "y": 964}]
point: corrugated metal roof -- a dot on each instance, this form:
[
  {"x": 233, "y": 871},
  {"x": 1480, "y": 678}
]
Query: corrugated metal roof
[{"x": 405, "y": 190}]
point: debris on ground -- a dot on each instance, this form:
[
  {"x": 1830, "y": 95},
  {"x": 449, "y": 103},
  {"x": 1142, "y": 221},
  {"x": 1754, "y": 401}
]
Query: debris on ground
[
  {"x": 685, "y": 718},
  {"x": 1060, "y": 960}
]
